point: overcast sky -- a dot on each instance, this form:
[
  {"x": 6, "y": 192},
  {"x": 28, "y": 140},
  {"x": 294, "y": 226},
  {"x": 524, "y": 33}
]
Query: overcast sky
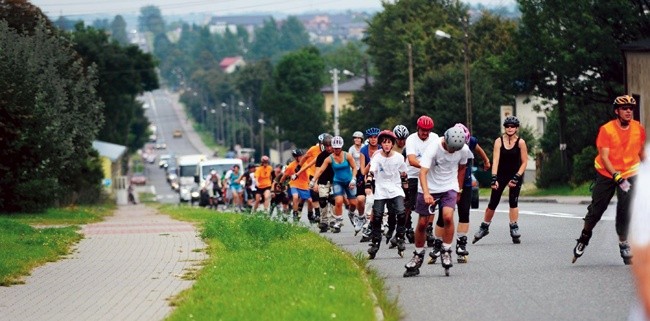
[{"x": 71, "y": 8}]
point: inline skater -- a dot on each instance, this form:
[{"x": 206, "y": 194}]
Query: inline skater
[
  {"x": 263, "y": 184},
  {"x": 343, "y": 181},
  {"x": 233, "y": 177},
  {"x": 388, "y": 170},
  {"x": 324, "y": 187},
  {"x": 415, "y": 146},
  {"x": 298, "y": 184},
  {"x": 620, "y": 151},
  {"x": 364, "y": 163},
  {"x": 358, "y": 218},
  {"x": 509, "y": 157},
  {"x": 307, "y": 164},
  {"x": 441, "y": 175},
  {"x": 279, "y": 196},
  {"x": 401, "y": 134}
]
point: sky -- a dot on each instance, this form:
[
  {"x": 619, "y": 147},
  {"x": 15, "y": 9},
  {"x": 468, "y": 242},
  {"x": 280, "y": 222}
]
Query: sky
[{"x": 71, "y": 8}]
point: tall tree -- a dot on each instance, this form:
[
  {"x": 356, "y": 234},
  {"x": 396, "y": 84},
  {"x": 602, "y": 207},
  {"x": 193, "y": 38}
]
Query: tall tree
[
  {"x": 151, "y": 20},
  {"x": 49, "y": 114},
  {"x": 293, "y": 99},
  {"x": 293, "y": 35},
  {"x": 118, "y": 30},
  {"x": 266, "y": 43}
]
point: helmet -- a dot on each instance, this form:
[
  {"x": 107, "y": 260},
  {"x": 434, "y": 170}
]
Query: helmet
[
  {"x": 386, "y": 133},
  {"x": 511, "y": 120},
  {"x": 327, "y": 140},
  {"x": 213, "y": 172},
  {"x": 401, "y": 132},
  {"x": 337, "y": 142},
  {"x": 624, "y": 100},
  {"x": 465, "y": 130},
  {"x": 372, "y": 131},
  {"x": 265, "y": 159},
  {"x": 297, "y": 152},
  {"x": 322, "y": 137},
  {"x": 455, "y": 139},
  {"x": 425, "y": 122},
  {"x": 357, "y": 134}
]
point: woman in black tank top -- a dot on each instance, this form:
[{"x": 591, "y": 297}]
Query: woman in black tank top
[{"x": 508, "y": 165}]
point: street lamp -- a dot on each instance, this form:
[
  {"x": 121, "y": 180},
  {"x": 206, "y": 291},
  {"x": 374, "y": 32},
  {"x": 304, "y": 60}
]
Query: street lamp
[
  {"x": 335, "y": 88},
  {"x": 261, "y": 122}
]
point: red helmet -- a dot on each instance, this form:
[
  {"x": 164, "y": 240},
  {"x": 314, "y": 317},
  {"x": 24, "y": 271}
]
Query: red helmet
[
  {"x": 265, "y": 159},
  {"x": 425, "y": 122},
  {"x": 386, "y": 133}
]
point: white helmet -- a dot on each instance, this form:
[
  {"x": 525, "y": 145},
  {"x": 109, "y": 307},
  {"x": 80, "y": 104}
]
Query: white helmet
[
  {"x": 337, "y": 142},
  {"x": 357, "y": 134},
  {"x": 455, "y": 139}
]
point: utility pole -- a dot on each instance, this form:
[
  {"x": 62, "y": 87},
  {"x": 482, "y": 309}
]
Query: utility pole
[
  {"x": 468, "y": 88},
  {"x": 411, "y": 90},
  {"x": 335, "y": 88}
]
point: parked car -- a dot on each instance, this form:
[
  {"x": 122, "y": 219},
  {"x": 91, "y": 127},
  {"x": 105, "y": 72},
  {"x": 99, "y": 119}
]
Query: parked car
[
  {"x": 163, "y": 160},
  {"x": 178, "y": 133},
  {"x": 161, "y": 145},
  {"x": 138, "y": 179}
]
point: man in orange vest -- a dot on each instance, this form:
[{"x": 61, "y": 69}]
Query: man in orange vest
[{"x": 620, "y": 151}]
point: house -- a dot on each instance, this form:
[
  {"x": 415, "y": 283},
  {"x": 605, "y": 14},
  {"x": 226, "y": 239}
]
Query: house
[
  {"x": 111, "y": 158},
  {"x": 231, "y": 64},
  {"x": 346, "y": 92},
  {"x": 637, "y": 77}
]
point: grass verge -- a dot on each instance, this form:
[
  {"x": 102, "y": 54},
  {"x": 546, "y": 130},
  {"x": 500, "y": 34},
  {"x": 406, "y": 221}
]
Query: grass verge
[
  {"x": 262, "y": 269},
  {"x": 22, "y": 248}
]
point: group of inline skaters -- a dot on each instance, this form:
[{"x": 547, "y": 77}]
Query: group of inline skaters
[{"x": 384, "y": 181}]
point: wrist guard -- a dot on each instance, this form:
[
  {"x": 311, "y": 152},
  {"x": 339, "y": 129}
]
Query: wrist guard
[
  {"x": 494, "y": 180},
  {"x": 618, "y": 178},
  {"x": 516, "y": 179}
]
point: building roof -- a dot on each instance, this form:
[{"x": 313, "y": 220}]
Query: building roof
[
  {"x": 352, "y": 85},
  {"x": 641, "y": 45},
  {"x": 228, "y": 61},
  {"x": 255, "y": 20},
  {"x": 110, "y": 150}
]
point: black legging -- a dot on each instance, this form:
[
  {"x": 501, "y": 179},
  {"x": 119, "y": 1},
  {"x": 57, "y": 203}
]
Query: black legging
[{"x": 513, "y": 194}]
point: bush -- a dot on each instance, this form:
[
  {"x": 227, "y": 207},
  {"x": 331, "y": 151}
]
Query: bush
[
  {"x": 552, "y": 172},
  {"x": 583, "y": 165}
]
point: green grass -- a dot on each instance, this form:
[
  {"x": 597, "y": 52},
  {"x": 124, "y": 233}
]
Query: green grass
[
  {"x": 74, "y": 215},
  {"x": 22, "y": 248},
  {"x": 208, "y": 140},
  {"x": 260, "y": 269}
]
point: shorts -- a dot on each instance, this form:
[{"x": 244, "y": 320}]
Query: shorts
[
  {"x": 446, "y": 199},
  {"x": 303, "y": 194},
  {"x": 341, "y": 188},
  {"x": 261, "y": 191},
  {"x": 236, "y": 189},
  {"x": 280, "y": 198}
]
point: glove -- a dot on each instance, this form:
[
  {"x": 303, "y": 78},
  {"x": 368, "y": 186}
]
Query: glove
[
  {"x": 353, "y": 181},
  {"x": 494, "y": 180},
  {"x": 293, "y": 177},
  {"x": 369, "y": 181},
  {"x": 623, "y": 183}
]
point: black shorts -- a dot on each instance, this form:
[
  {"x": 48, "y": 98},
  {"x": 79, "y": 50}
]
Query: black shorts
[{"x": 262, "y": 190}]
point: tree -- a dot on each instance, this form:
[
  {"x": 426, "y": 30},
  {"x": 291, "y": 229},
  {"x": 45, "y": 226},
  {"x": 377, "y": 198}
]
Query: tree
[
  {"x": 118, "y": 30},
  {"x": 578, "y": 65},
  {"x": 49, "y": 114},
  {"x": 266, "y": 43},
  {"x": 151, "y": 20},
  {"x": 293, "y": 35},
  {"x": 292, "y": 98}
]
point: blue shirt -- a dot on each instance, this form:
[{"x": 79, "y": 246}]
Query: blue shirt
[{"x": 342, "y": 171}]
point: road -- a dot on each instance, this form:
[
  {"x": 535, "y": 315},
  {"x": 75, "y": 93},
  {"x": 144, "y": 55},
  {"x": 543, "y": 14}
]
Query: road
[{"x": 534, "y": 280}]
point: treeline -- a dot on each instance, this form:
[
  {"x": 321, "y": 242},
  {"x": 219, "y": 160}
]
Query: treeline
[
  {"x": 567, "y": 53},
  {"x": 59, "y": 91}
]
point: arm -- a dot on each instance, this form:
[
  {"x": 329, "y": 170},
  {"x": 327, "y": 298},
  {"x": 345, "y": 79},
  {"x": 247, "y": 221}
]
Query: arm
[
  {"x": 461, "y": 176},
  {"x": 321, "y": 169},
  {"x": 495, "y": 162},
  {"x": 362, "y": 165},
  {"x": 308, "y": 165},
  {"x": 413, "y": 161},
  {"x": 353, "y": 165},
  {"x": 524, "y": 157},
  {"x": 425, "y": 187},
  {"x": 483, "y": 155}
]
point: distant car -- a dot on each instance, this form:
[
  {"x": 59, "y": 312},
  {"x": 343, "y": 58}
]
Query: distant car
[
  {"x": 161, "y": 145},
  {"x": 138, "y": 179},
  {"x": 475, "y": 192},
  {"x": 153, "y": 138},
  {"x": 178, "y": 133},
  {"x": 163, "y": 160}
]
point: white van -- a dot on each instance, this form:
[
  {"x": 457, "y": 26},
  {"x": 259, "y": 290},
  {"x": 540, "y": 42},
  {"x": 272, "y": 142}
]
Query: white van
[
  {"x": 186, "y": 166},
  {"x": 221, "y": 165}
]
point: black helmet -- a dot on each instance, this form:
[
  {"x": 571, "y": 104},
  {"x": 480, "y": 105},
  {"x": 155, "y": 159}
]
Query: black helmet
[
  {"x": 297, "y": 152},
  {"x": 511, "y": 120}
]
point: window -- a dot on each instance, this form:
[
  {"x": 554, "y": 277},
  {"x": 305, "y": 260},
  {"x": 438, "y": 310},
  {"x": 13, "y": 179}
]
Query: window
[{"x": 541, "y": 125}]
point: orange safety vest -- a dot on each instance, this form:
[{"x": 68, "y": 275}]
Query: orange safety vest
[{"x": 624, "y": 145}]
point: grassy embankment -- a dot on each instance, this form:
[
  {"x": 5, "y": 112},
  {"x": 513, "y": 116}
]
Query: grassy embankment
[
  {"x": 24, "y": 246},
  {"x": 263, "y": 269}
]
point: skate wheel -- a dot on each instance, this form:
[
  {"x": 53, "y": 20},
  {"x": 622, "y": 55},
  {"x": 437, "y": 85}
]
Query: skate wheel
[
  {"x": 446, "y": 272},
  {"x": 516, "y": 240},
  {"x": 401, "y": 253},
  {"x": 462, "y": 259},
  {"x": 575, "y": 258},
  {"x": 431, "y": 261},
  {"x": 627, "y": 261}
]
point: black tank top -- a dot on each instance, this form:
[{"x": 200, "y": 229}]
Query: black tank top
[{"x": 509, "y": 160}]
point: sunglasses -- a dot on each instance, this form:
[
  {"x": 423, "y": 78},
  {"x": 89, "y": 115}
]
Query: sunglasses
[
  {"x": 626, "y": 108},
  {"x": 510, "y": 126}
]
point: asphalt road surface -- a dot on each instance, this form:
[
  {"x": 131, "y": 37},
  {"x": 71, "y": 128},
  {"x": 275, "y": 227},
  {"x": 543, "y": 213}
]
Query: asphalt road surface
[{"x": 534, "y": 280}]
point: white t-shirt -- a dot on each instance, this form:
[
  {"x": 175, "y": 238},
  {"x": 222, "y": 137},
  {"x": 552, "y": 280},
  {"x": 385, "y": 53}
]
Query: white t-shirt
[
  {"x": 443, "y": 168},
  {"x": 415, "y": 146},
  {"x": 388, "y": 183},
  {"x": 356, "y": 154},
  {"x": 640, "y": 221}
]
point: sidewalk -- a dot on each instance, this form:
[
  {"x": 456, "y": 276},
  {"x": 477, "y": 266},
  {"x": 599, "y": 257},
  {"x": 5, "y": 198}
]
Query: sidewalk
[{"x": 126, "y": 268}]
